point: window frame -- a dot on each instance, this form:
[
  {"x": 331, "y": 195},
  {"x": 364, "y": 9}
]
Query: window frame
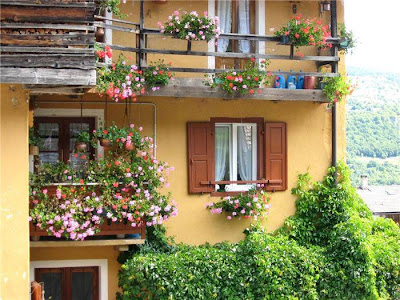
[
  {"x": 63, "y": 132},
  {"x": 233, "y": 153},
  {"x": 259, "y": 136},
  {"x": 66, "y": 279}
]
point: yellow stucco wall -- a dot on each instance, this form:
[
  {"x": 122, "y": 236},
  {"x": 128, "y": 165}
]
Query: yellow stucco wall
[{"x": 14, "y": 237}]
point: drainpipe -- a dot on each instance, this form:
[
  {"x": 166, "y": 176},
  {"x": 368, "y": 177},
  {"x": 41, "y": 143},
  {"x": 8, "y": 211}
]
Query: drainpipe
[{"x": 334, "y": 52}]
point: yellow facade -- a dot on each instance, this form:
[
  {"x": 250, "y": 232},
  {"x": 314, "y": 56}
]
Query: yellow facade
[
  {"x": 14, "y": 169},
  {"x": 308, "y": 132}
]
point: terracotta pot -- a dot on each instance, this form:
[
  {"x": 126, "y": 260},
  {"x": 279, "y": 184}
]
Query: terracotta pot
[
  {"x": 105, "y": 142},
  {"x": 130, "y": 146},
  {"x": 81, "y": 146},
  {"x": 99, "y": 34},
  {"x": 33, "y": 150},
  {"x": 309, "y": 82}
]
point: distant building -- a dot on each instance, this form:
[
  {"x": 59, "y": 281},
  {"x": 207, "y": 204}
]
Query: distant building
[{"x": 382, "y": 200}]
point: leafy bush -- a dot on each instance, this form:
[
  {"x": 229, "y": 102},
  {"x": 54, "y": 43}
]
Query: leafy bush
[{"x": 331, "y": 248}]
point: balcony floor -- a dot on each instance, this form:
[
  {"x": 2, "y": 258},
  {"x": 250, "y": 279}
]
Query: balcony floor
[{"x": 195, "y": 88}]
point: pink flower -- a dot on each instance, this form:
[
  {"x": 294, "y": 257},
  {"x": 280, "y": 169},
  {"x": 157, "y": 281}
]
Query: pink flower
[
  {"x": 176, "y": 13},
  {"x": 229, "y": 217}
]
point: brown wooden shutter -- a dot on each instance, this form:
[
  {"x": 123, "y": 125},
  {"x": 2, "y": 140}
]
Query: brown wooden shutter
[
  {"x": 276, "y": 155},
  {"x": 200, "y": 156}
]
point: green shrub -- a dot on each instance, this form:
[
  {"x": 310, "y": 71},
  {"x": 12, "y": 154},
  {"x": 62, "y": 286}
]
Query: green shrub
[{"x": 331, "y": 248}]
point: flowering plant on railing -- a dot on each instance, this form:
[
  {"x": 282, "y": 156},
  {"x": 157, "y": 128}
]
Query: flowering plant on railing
[
  {"x": 245, "y": 82},
  {"x": 251, "y": 204},
  {"x": 158, "y": 73},
  {"x": 337, "y": 88},
  {"x": 120, "y": 80},
  {"x": 124, "y": 186},
  {"x": 301, "y": 32},
  {"x": 100, "y": 53},
  {"x": 191, "y": 26}
]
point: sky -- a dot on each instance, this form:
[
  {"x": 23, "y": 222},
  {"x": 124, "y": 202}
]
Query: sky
[{"x": 375, "y": 24}]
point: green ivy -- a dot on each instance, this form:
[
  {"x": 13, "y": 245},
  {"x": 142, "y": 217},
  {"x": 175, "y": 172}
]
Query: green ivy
[{"x": 331, "y": 248}]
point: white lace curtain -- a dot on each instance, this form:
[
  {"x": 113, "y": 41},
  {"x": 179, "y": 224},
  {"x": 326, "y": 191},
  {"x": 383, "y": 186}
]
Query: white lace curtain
[
  {"x": 244, "y": 152},
  {"x": 221, "y": 152},
  {"x": 224, "y": 12}
]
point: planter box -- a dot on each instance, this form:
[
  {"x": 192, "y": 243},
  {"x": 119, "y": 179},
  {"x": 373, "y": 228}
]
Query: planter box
[{"x": 106, "y": 229}]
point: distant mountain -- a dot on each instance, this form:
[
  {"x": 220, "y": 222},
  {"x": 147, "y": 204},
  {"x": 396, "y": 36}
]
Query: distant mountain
[{"x": 373, "y": 126}]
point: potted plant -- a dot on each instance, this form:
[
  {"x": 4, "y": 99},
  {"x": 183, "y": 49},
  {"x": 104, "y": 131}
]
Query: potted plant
[
  {"x": 157, "y": 73},
  {"x": 337, "y": 88},
  {"x": 250, "y": 204},
  {"x": 347, "y": 40},
  {"x": 191, "y": 26},
  {"x": 120, "y": 80},
  {"x": 111, "y": 6},
  {"x": 35, "y": 142},
  {"x": 244, "y": 82},
  {"x": 82, "y": 141},
  {"x": 304, "y": 32}
]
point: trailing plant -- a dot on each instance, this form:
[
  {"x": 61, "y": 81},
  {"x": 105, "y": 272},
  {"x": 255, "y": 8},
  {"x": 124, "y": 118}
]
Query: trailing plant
[
  {"x": 247, "y": 81},
  {"x": 337, "y": 88},
  {"x": 251, "y": 204},
  {"x": 305, "y": 32},
  {"x": 158, "y": 73},
  {"x": 112, "y": 6},
  {"x": 120, "y": 81},
  {"x": 100, "y": 53},
  {"x": 127, "y": 189},
  {"x": 84, "y": 137},
  {"x": 349, "y": 41},
  {"x": 191, "y": 26},
  {"x": 331, "y": 248},
  {"x": 34, "y": 139}
]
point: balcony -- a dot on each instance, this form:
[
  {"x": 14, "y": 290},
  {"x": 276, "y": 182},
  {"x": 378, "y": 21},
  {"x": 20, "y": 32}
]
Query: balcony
[
  {"x": 117, "y": 234},
  {"x": 49, "y": 47},
  {"x": 48, "y": 43}
]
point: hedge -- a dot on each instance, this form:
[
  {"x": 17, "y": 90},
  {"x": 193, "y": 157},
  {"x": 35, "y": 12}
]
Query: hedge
[{"x": 331, "y": 248}]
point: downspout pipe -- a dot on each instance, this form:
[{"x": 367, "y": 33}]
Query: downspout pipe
[{"x": 334, "y": 52}]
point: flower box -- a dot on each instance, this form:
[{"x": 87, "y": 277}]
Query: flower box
[{"x": 107, "y": 228}]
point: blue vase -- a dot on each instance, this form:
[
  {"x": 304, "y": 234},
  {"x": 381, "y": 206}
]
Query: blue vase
[
  {"x": 300, "y": 82},
  {"x": 291, "y": 79},
  {"x": 280, "y": 82}
]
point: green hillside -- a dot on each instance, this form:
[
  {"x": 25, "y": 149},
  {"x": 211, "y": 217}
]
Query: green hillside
[{"x": 373, "y": 127}]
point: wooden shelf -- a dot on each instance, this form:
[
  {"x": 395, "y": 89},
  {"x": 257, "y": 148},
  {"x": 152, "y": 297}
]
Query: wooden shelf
[{"x": 119, "y": 244}]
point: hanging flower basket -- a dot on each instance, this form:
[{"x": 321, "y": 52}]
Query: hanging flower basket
[{"x": 191, "y": 26}]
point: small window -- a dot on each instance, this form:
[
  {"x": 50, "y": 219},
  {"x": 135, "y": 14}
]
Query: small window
[
  {"x": 235, "y": 155},
  {"x": 75, "y": 283},
  {"x": 59, "y": 136}
]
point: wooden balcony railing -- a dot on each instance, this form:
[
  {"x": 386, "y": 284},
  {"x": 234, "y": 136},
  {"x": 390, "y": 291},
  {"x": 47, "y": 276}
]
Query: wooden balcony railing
[{"x": 48, "y": 42}]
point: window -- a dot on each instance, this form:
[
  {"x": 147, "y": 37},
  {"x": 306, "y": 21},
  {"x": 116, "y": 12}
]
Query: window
[
  {"x": 59, "y": 136},
  {"x": 236, "y": 16},
  {"x": 225, "y": 151},
  {"x": 75, "y": 283},
  {"x": 235, "y": 154}
]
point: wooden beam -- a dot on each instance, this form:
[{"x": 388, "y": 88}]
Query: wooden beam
[
  {"x": 35, "y": 90},
  {"x": 87, "y": 243},
  {"x": 51, "y": 3},
  {"x": 49, "y": 50},
  {"x": 195, "y": 88},
  {"x": 57, "y": 61},
  {"x": 47, "y": 26},
  {"x": 46, "y": 14},
  {"x": 47, "y": 39},
  {"x": 41, "y": 76}
]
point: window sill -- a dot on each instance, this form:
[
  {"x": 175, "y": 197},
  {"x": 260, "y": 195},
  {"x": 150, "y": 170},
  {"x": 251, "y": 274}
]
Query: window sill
[{"x": 224, "y": 194}]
